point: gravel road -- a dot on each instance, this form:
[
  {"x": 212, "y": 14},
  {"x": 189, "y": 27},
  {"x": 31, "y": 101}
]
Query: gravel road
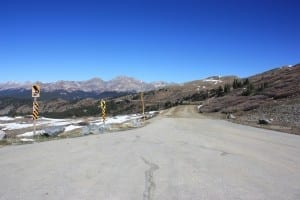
[{"x": 179, "y": 155}]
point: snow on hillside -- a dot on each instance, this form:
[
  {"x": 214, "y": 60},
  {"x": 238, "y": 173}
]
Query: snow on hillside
[
  {"x": 11, "y": 124},
  {"x": 117, "y": 120},
  {"x": 215, "y": 81},
  {"x": 25, "y": 124}
]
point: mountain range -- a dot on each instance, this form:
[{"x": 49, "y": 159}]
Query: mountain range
[
  {"x": 118, "y": 84},
  {"x": 93, "y": 88}
]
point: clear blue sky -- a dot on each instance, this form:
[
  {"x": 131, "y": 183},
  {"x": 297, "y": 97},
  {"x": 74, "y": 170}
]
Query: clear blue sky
[{"x": 174, "y": 41}]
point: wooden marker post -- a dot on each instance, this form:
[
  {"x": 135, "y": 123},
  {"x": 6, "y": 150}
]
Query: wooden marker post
[{"x": 143, "y": 105}]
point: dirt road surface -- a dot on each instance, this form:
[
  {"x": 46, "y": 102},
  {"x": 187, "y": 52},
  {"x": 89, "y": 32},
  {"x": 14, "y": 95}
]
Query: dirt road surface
[{"x": 179, "y": 155}]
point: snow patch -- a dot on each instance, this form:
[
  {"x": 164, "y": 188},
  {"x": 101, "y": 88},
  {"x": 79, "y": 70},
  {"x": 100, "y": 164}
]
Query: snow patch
[
  {"x": 213, "y": 80},
  {"x": 55, "y": 122},
  {"x": 5, "y": 118},
  {"x": 13, "y": 126},
  {"x": 71, "y": 128},
  {"x": 61, "y": 123},
  {"x": 117, "y": 119},
  {"x": 31, "y": 134},
  {"x": 52, "y": 119},
  {"x": 68, "y": 124},
  {"x": 26, "y": 140}
]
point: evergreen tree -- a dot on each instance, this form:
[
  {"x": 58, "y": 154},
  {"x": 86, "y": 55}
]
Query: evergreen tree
[
  {"x": 226, "y": 88},
  {"x": 246, "y": 82},
  {"x": 220, "y": 91}
]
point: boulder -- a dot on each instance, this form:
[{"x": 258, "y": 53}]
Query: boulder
[
  {"x": 26, "y": 140},
  {"x": 199, "y": 107},
  {"x": 53, "y": 131},
  {"x": 230, "y": 116},
  {"x": 85, "y": 131},
  {"x": 151, "y": 114},
  {"x": 91, "y": 129},
  {"x": 264, "y": 121},
  {"x": 2, "y": 135},
  {"x": 136, "y": 123},
  {"x": 85, "y": 123},
  {"x": 95, "y": 129}
]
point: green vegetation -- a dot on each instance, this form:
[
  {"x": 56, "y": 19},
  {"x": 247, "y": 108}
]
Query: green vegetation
[
  {"x": 220, "y": 91},
  {"x": 249, "y": 90},
  {"x": 246, "y": 82},
  {"x": 199, "y": 96},
  {"x": 91, "y": 110},
  {"x": 168, "y": 104},
  {"x": 227, "y": 88},
  {"x": 237, "y": 83}
]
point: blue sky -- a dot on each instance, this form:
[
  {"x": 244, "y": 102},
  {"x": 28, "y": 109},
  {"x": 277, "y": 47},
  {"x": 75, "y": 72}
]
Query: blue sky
[{"x": 151, "y": 40}]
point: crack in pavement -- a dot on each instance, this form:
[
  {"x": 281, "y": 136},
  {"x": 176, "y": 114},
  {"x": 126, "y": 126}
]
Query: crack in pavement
[
  {"x": 149, "y": 180},
  {"x": 222, "y": 153}
]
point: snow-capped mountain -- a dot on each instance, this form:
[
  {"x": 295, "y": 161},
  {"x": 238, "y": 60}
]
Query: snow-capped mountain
[
  {"x": 15, "y": 85},
  {"x": 118, "y": 84}
]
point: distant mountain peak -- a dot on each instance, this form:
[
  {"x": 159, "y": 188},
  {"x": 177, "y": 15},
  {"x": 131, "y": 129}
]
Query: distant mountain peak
[
  {"x": 94, "y": 79},
  {"x": 95, "y": 84}
]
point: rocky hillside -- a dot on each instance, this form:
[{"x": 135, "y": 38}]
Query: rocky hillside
[{"x": 270, "y": 99}]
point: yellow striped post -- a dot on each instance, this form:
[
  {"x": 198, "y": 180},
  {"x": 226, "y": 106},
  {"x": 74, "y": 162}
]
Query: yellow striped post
[
  {"x": 103, "y": 109},
  {"x": 36, "y": 92},
  {"x": 35, "y": 110},
  {"x": 35, "y": 114}
]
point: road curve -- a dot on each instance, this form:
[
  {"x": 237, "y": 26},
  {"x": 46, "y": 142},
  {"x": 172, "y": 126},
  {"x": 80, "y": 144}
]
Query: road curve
[{"x": 179, "y": 155}]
